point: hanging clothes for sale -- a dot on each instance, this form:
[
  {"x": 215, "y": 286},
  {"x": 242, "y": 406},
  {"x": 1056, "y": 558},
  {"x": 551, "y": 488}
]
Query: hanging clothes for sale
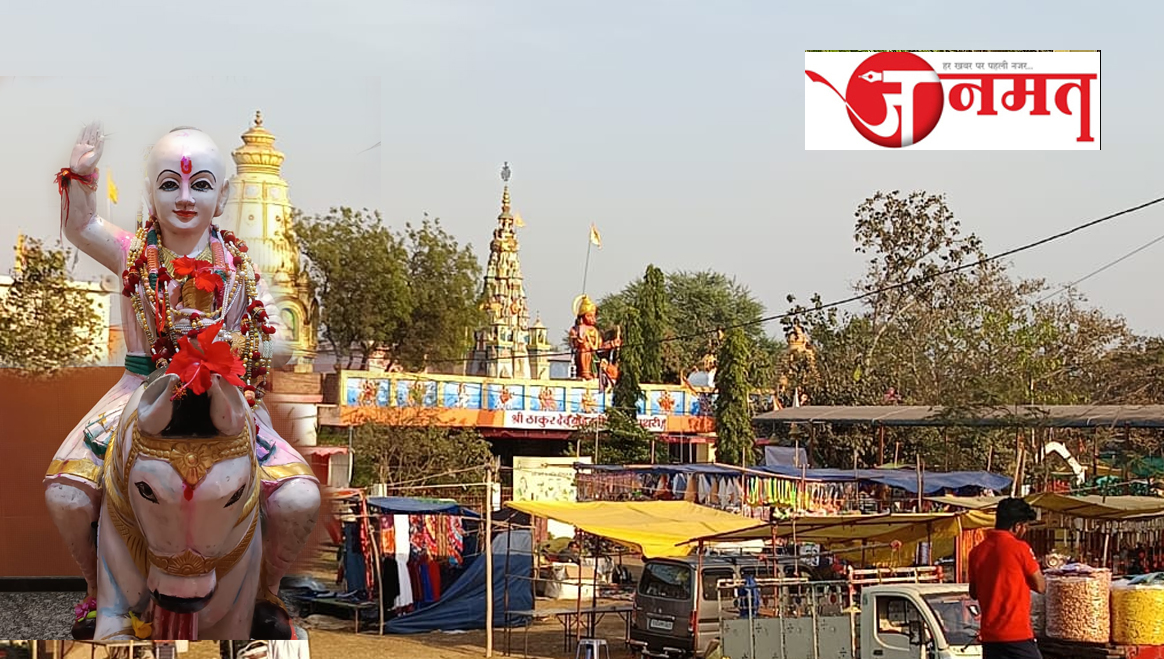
[
  {"x": 421, "y": 544},
  {"x": 354, "y": 566},
  {"x": 403, "y": 550}
]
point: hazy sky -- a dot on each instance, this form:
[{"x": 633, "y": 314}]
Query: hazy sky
[{"x": 676, "y": 127}]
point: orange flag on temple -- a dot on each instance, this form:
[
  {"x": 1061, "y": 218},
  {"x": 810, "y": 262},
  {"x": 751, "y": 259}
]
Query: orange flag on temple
[{"x": 594, "y": 237}]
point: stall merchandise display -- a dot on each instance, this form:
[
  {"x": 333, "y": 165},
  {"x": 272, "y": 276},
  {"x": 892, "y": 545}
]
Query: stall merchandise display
[
  {"x": 748, "y": 495},
  {"x": 1078, "y": 606},
  {"x": 1137, "y": 610}
]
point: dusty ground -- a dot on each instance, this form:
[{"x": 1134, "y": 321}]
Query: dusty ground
[
  {"x": 545, "y": 642},
  {"x": 545, "y": 636}
]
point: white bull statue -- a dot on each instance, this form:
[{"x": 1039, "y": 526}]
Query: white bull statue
[{"x": 180, "y": 543}]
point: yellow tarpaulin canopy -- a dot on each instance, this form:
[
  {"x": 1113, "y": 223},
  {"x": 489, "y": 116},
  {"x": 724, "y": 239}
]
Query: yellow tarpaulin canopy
[
  {"x": 1099, "y": 507},
  {"x": 655, "y": 528},
  {"x": 824, "y": 529},
  {"x": 839, "y": 531}
]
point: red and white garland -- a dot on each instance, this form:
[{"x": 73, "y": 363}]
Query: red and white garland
[{"x": 252, "y": 343}]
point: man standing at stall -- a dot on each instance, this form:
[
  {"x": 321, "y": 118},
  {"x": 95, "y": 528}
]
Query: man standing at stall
[{"x": 1003, "y": 572}]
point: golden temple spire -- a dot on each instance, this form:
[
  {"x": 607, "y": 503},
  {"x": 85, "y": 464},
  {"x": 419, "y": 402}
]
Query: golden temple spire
[
  {"x": 259, "y": 211},
  {"x": 503, "y": 343},
  {"x": 258, "y": 153}
]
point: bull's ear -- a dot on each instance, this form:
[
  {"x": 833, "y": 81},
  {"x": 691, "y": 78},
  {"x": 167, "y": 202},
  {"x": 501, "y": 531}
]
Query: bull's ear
[
  {"x": 156, "y": 409},
  {"x": 228, "y": 408}
]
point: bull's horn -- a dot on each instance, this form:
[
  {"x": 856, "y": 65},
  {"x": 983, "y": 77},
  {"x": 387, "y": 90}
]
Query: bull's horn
[
  {"x": 228, "y": 408},
  {"x": 155, "y": 410}
]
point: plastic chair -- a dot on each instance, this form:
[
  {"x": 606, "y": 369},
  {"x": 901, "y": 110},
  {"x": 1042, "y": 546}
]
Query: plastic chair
[{"x": 591, "y": 647}]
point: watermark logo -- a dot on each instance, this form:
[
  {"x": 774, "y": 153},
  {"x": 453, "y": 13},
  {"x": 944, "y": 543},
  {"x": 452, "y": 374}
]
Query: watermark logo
[{"x": 895, "y": 99}]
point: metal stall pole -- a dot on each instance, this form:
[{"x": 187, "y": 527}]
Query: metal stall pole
[
  {"x": 379, "y": 576},
  {"x": 489, "y": 558},
  {"x": 508, "y": 540},
  {"x": 578, "y": 594},
  {"x": 696, "y": 586},
  {"x": 751, "y": 622},
  {"x": 594, "y": 590}
]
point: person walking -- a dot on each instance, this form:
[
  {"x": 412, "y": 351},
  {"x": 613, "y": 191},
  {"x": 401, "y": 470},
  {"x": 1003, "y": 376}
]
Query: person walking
[{"x": 1003, "y": 572}]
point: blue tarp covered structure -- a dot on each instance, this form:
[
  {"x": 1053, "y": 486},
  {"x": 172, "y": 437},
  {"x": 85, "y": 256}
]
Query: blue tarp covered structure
[
  {"x": 410, "y": 506},
  {"x": 462, "y": 606},
  {"x": 933, "y": 482},
  {"x": 906, "y": 479}
]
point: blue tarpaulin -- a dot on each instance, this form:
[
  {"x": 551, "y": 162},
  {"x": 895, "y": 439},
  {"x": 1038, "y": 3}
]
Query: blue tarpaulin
[
  {"x": 933, "y": 482},
  {"x": 462, "y": 606},
  {"x": 410, "y": 506},
  {"x": 785, "y": 456},
  {"x": 906, "y": 479}
]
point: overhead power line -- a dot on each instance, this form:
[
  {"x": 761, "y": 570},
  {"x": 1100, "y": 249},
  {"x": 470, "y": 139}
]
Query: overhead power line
[
  {"x": 1101, "y": 269},
  {"x": 885, "y": 289}
]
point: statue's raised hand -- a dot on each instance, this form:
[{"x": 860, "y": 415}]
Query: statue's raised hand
[{"x": 88, "y": 149}]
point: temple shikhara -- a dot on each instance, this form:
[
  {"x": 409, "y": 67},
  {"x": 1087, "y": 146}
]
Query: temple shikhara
[
  {"x": 508, "y": 389},
  {"x": 259, "y": 212},
  {"x": 508, "y": 346}
]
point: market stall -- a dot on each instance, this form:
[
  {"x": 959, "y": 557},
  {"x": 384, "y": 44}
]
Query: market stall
[
  {"x": 653, "y": 528},
  {"x": 397, "y": 555},
  {"x": 417, "y": 546},
  {"x": 784, "y": 490},
  {"x": 885, "y": 540},
  {"x": 650, "y": 528}
]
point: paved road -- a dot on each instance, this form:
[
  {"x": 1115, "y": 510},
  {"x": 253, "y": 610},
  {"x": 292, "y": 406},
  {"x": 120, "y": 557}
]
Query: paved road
[{"x": 38, "y": 615}]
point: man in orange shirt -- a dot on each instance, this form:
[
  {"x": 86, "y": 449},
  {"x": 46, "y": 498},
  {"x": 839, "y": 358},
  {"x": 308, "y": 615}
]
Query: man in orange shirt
[{"x": 1003, "y": 572}]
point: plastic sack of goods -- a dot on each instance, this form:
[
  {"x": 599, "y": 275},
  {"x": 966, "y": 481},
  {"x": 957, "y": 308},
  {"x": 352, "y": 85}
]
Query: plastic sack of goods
[
  {"x": 1038, "y": 614},
  {"x": 1136, "y": 606},
  {"x": 1077, "y": 602}
]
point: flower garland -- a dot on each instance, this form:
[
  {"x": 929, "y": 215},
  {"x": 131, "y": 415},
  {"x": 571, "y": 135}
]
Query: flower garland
[{"x": 144, "y": 265}]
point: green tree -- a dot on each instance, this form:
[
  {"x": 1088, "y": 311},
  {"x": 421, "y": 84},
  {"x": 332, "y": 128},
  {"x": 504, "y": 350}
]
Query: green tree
[
  {"x": 969, "y": 340},
  {"x": 411, "y": 296},
  {"x": 621, "y": 441},
  {"x": 417, "y": 454},
  {"x": 444, "y": 278},
  {"x": 46, "y": 321},
  {"x": 698, "y": 304},
  {"x": 733, "y": 418},
  {"x": 625, "y": 436},
  {"x": 360, "y": 271},
  {"x": 652, "y": 306}
]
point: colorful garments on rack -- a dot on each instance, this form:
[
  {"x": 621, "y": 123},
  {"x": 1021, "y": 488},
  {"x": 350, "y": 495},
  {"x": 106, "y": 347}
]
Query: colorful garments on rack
[
  {"x": 403, "y": 550},
  {"x": 748, "y": 494}
]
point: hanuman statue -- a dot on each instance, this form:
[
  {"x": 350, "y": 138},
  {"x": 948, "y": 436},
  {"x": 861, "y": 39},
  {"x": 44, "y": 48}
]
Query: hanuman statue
[{"x": 588, "y": 343}]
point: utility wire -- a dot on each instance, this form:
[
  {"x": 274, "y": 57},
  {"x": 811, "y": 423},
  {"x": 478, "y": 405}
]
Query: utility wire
[
  {"x": 892, "y": 287},
  {"x": 1101, "y": 269}
]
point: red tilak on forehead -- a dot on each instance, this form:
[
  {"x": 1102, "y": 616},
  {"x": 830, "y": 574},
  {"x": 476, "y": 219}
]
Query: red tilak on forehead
[{"x": 186, "y": 165}]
